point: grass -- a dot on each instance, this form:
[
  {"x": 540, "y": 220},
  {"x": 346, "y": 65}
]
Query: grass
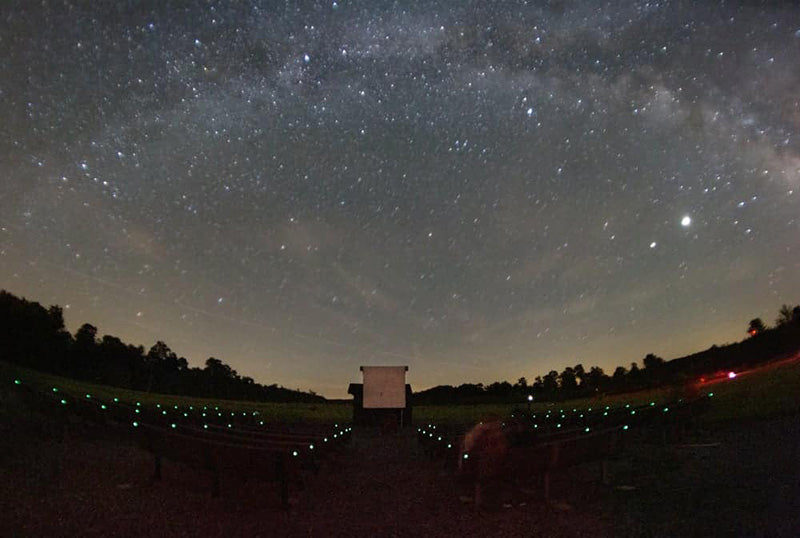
[
  {"x": 321, "y": 413},
  {"x": 767, "y": 391}
]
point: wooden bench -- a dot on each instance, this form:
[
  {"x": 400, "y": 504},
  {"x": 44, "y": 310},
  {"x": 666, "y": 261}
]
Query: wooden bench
[
  {"x": 246, "y": 451},
  {"x": 540, "y": 460},
  {"x": 270, "y": 461}
]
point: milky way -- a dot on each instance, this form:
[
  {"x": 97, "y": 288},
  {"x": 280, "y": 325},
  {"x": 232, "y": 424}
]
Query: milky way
[{"x": 479, "y": 190}]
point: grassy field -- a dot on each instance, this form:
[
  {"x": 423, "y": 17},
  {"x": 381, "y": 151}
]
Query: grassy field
[
  {"x": 764, "y": 392},
  {"x": 768, "y": 391},
  {"x": 324, "y": 413}
]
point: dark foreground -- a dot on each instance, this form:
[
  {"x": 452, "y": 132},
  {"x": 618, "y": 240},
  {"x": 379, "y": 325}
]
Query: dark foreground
[{"x": 74, "y": 480}]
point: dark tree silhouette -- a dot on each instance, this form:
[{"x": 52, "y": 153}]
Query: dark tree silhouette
[
  {"x": 580, "y": 373},
  {"x": 652, "y": 362},
  {"x": 567, "y": 382},
  {"x": 84, "y": 352},
  {"x": 550, "y": 384},
  {"x": 788, "y": 316},
  {"x": 755, "y": 327},
  {"x": 784, "y": 316},
  {"x": 618, "y": 378},
  {"x": 35, "y": 337},
  {"x": 634, "y": 374},
  {"x": 596, "y": 380}
]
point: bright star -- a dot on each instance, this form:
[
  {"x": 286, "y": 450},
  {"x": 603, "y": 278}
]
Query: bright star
[{"x": 686, "y": 221}]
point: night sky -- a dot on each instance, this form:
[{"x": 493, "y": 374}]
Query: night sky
[{"x": 479, "y": 190}]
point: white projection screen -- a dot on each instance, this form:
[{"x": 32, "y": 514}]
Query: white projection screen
[{"x": 384, "y": 387}]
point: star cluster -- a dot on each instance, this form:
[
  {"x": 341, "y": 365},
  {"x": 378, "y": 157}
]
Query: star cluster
[{"x": 480, "y": 190}]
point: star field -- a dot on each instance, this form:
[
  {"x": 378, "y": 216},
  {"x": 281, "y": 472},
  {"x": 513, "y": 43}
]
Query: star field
[{"x": 479, "y": 190}]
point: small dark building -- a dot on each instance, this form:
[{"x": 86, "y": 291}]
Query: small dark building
[{"x": 384, "y": 399}]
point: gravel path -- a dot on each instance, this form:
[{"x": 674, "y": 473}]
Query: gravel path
[{"x": 70, "y": 483}]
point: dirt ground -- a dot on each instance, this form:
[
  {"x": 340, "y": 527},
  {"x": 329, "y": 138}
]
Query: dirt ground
[
  {"x": 75, "y": 481},
  {"x": 738, "y": 480}
]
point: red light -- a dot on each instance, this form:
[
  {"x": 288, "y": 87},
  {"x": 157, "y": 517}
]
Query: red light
[
  {"x": 731, "y": 375},
  {"x": 702, "y": 380}
]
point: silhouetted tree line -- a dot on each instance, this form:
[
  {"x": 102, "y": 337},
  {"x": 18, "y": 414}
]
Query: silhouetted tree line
[
  {"x": 35, "y": 337},
  {"x": 763, "y": 345}
]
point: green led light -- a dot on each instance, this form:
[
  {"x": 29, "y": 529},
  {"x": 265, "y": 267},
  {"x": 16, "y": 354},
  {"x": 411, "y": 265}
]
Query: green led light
[
  {"x": 449, "y": 445},
  {"x": 116, "y": 400},
  {"x": 63, "y": 402},
  {"x": 625, "y": 427},
  {"x": 176, "y": 407},
  {"x": 558, "y": 425},
  {"x": 137, "y": 410},
  {"x": 230, "y": 426},
  {"x": 163, "y": 412},
  {"x": 55, "y": 389},
  {"x": 135, "y": 424},
  {"x": 17, "y": 382},
  {"x": 666, "y": 409},
  {"x": 158, "y": 405},
  {"x": 466, "y": 456},
  {"x": 103, "y": 406},
  {"x": 261, "y": 422},
  {"x": 325, "y": 440},
  {"x": 294, "y": 453},
  {"x": 627, "y": 406},
  {"x": 586, "y": 430},
  {"x": 633, "y": 412},
  {"x": 605, "y": 413},
  {"x": 88, "y": 396},
  {"x": 138, "y": 404},
  {"x": 173, "y": 425},
  {"x": 311, "y": 447},
  {"x": 205, "y": 426},
  {"x": 186, "y": 414},
  {"x": 710, "y": 394},
  {"x": 652, "y": 403}
]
